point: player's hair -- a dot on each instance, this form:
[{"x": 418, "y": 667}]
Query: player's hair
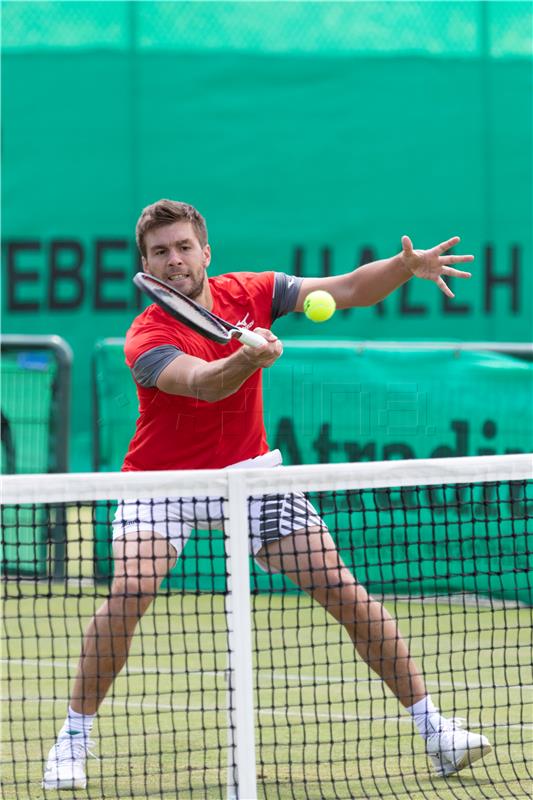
[{"x": 166, "y": 212}]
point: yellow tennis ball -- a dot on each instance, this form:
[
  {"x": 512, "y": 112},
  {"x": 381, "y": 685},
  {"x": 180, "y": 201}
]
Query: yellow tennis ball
[{"x": 319, "y": 306}]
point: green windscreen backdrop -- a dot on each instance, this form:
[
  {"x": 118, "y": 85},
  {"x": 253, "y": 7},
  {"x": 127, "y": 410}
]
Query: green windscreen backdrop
[
  {"x": 327, "y": 402},
  {"x": 330, "y": 403},
  {"x": 310, "y": 135}
]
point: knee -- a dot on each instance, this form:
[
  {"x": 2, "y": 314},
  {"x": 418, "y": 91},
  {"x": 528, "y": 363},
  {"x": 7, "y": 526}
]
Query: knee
[
  {"x": 342, "y": 599},
  {"x": 133, "y": 594}
]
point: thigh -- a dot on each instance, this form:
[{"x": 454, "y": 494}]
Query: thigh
[
  {"x": 150, "y": 534},
  {"x": 272, "y": 517},
  {"x": 143, "y": 555},
  {"x": 308, "y": 557}
]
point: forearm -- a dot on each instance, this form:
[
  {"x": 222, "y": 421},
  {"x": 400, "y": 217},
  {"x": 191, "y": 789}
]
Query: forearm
[
  {"x": 215, "y": 380},
  {"x": 372, "y": 282},
  {"x": 365, "y": 286},
  {"x": 210, "y": 381}
]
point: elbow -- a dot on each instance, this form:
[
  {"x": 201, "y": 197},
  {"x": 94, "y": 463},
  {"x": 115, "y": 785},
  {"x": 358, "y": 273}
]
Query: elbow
[
  {"x": 208, "y": 388},
  {"x": 201, "y": 389},
  {"x": 204, "y": 393},
  {"x": 208, "y": 395}
]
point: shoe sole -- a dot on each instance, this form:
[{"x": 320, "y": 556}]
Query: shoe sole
[{"x": 471, "y": 755}]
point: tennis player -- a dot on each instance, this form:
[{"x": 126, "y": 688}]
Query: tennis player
[{"x": 201, "y": 408}]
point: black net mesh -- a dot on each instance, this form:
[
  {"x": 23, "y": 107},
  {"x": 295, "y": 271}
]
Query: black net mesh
[{"x": 447, "y": 570}]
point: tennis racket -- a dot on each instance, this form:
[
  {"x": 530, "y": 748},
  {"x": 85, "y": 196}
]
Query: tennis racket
[{"x": 192, "y": 314}]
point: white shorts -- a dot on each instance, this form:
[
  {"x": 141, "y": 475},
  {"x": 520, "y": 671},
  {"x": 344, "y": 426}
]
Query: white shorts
[{"x": 270, "y": 516}]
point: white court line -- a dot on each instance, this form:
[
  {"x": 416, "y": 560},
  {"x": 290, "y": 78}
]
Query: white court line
[
  {"x": 278, "y": 676},
  {"x": 274, "y": 712},
  {"x": 69, "y": 666}
]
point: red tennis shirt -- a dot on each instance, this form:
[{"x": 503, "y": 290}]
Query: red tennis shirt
[{"x": 177, "y": 432}]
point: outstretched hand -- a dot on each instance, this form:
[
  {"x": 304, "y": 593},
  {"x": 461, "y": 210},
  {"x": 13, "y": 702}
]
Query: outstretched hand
[{"x": 432, "y": 264}]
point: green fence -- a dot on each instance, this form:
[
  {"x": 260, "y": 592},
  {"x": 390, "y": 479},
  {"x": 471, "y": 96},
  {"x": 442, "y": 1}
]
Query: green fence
[
  {"x": 35, "y": 407},
  {"x": 35, "y": 401}
]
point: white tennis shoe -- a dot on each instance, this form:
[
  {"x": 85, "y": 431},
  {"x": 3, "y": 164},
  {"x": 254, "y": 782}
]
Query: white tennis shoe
[
  {"x": 453, "y": 749},
  {"x": 65, "y": 767}
]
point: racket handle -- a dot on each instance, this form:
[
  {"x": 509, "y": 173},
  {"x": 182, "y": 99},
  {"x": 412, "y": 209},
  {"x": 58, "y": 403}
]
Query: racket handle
[{"x": 249, "y": 337}]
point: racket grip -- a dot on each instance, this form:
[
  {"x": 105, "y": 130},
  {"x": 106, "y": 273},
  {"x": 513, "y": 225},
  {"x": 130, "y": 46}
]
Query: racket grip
[{"x": 249, "y": 337}]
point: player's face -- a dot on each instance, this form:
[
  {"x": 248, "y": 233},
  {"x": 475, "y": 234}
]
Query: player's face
[{"x": 175, "y": 256}]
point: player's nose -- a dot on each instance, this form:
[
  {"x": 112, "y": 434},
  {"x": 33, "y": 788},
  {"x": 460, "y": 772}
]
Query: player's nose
[{"x": 174, "y": 258}]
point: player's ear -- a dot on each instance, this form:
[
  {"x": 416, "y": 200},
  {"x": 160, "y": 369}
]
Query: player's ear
[
  {"x": 144, "y": 264},
  {"x": 207, "y": 256}
]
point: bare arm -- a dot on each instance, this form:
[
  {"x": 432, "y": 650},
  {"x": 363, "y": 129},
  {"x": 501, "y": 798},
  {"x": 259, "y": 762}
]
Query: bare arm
[
  {"x": 371, "y": 283},
  {"x": 215, "y": 380}
]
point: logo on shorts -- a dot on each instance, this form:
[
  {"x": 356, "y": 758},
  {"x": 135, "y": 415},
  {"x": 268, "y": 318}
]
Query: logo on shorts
[{"x": 131, "y": 522}]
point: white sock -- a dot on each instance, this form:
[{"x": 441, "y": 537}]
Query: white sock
[
  {"x": 77, "y": 723},
  {"x": 426, "y": 717}
]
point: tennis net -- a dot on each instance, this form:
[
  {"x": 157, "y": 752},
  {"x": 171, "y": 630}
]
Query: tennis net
[{"x": 238, "y": 684}]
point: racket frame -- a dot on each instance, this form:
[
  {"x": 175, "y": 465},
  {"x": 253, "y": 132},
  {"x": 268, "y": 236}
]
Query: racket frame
[{"x": 217, "y": 329}]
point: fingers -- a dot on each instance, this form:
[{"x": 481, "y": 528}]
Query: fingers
[
  {"x": 407, "y": 246},
  {"x": 456, "y": 273},
  {"x": 271, "y": 339},
  {"x": 454, "y": 259},
  {"x": 443, "y": 246},
  {"x": 266, "y": 334},
  {"x": 269, "y": 352},
  {"x": 444, "y": 288}
]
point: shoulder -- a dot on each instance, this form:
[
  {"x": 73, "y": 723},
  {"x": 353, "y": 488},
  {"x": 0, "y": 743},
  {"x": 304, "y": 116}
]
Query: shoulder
[{"x": 243, "y": 284}]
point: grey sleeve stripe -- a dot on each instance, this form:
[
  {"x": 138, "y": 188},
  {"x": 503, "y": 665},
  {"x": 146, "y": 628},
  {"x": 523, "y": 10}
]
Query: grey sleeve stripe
[
  {"x": 151, "y": 364},
  {"x": 286, "y": 289}
]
